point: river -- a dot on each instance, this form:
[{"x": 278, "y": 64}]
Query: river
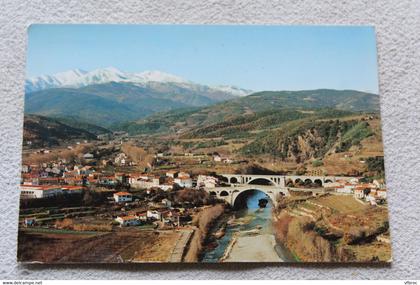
[{"x": 249, "y": 236}]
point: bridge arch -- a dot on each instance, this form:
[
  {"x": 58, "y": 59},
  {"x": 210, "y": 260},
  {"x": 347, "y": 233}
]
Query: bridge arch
[
  {"x": 298, "y": 182},
  {"x": 212, "y": 193},
  {"x": 224, "y": 193},
  {"x": 234, "y": 180},
  {"x": 318, "y": 182},
  {"x": 261, "y": 181},
  {"x": 239, "y": 199},
  {"x": 307, "y": 181},
  {"x": 223, "y": 178},
  {"x": 273, "y": 194}
]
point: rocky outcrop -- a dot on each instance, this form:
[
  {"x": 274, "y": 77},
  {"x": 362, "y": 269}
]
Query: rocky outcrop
[{"x": 308, "y": 140}]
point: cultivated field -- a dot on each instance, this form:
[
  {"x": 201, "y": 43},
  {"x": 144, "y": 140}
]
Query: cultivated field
[
  {"x": 74, "y": 247},
  {"x": 342, "y": 204}
]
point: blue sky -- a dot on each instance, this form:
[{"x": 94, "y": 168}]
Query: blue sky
[{"x": 253, "y": 57}]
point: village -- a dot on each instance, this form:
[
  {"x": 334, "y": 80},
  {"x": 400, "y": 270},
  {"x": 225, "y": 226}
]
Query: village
[
  {"x": 95, "y": 188},
  {"x": 51, "y": 179}
]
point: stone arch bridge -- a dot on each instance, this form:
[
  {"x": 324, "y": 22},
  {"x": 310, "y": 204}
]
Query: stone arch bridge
[
  {"x": 274, "y": 186},
  {"x": 280, "y": 180}
]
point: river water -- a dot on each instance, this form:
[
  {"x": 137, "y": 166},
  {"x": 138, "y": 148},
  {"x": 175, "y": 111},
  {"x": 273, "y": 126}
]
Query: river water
[{"x": 251, "y": 218}]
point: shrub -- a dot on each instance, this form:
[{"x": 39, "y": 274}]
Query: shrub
[
  {"x": 317, "y": 163},
  {"x": 66, "y": 224}
]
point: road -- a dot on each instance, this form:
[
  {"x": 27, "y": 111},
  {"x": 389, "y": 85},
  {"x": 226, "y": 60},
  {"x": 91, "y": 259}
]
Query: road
[{"x": 179, "y": 248}]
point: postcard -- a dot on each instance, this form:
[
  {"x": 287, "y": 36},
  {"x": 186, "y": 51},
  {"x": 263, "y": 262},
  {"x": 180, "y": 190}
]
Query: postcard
[{"x": 203, "y": 144}]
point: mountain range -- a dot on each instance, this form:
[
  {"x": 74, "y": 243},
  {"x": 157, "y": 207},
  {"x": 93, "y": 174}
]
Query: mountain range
[
  {"x": 79, "y": 78},
  {"x": 154, "y": 101},
  {"x": 108, "y": 96},
  {"x": 274, "y": 106},
  {"x": 80, "y": 105}
]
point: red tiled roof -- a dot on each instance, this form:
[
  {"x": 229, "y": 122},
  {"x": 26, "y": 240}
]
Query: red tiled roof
[
  {"x": 30, "y": 175},
  {"x": 50, "y": 178},
  {"x": 126, "y": 218},
  {"x": 71, "y": 187},
  {"x": 122, "y": 193},
  {"x": 184, "y": 177},
  {"x": 39, "y": 187},
  {"x": 107, "y": 177}
]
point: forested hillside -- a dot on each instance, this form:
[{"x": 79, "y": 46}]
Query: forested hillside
[
  {"x": 300, "y": 141},
  {"x": 279, "y": 105},
  {"x": 39, "y": 131}
]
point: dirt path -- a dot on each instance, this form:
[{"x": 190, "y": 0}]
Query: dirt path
[{"x": 179, "y": 248}]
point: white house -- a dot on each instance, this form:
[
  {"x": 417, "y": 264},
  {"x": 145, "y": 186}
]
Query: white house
[
  {"x": 172, "y": 173},
  {"x": 353, "y": 180},
  {"x": 142, "y": 217},
  {"x": 121, "y": 159},
  {"x": 359, "y": 193},
  {"x": 206, "y": 181},
  {"x": 25, "y": 168},
  {"x": 128, "y": 221},
  {"x": 342, "y": 189},
  {"x": 123, "y": 197},
  {"x": 217, "y": 158},
  {"x": 183, "y": 174},
  {"x": 152, "y": 214},
  {"x": 359, "y": 190},
  {"x": 39, "y": 191},
  {"x": 381, "y": 193},
  {"x": 144, "y": 181},
  {"x": 227, "y": 160},
  {"x": 88, "y": 156},
  {"x": 165, "y": 186},
  {"x": 347, "y": 188},
  {"x": 185, "y": 182},
  {"x": 378, "y": 184},
  {"x": 224, "y": 159}
]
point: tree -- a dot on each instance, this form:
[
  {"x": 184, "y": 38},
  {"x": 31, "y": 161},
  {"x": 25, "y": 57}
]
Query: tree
[
  {"x": 317, "y": 163},
  {"x": 366, "y": 191}
]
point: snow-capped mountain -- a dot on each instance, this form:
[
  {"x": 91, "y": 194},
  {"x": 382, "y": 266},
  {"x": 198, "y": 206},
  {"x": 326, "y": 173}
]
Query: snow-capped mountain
[
  {"x": 78, "y": 78},
  {"x": 52, "y": 81},
  {"x": 156, "y": 76},
  {"x": 98, "y": 76}
]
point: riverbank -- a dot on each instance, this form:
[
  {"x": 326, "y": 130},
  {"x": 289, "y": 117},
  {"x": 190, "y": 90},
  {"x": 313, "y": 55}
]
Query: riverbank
[
  {"x": 252, "y": 248},
  {"x": 203, "y": 223},
  {"x": 248, "y": 236}
]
